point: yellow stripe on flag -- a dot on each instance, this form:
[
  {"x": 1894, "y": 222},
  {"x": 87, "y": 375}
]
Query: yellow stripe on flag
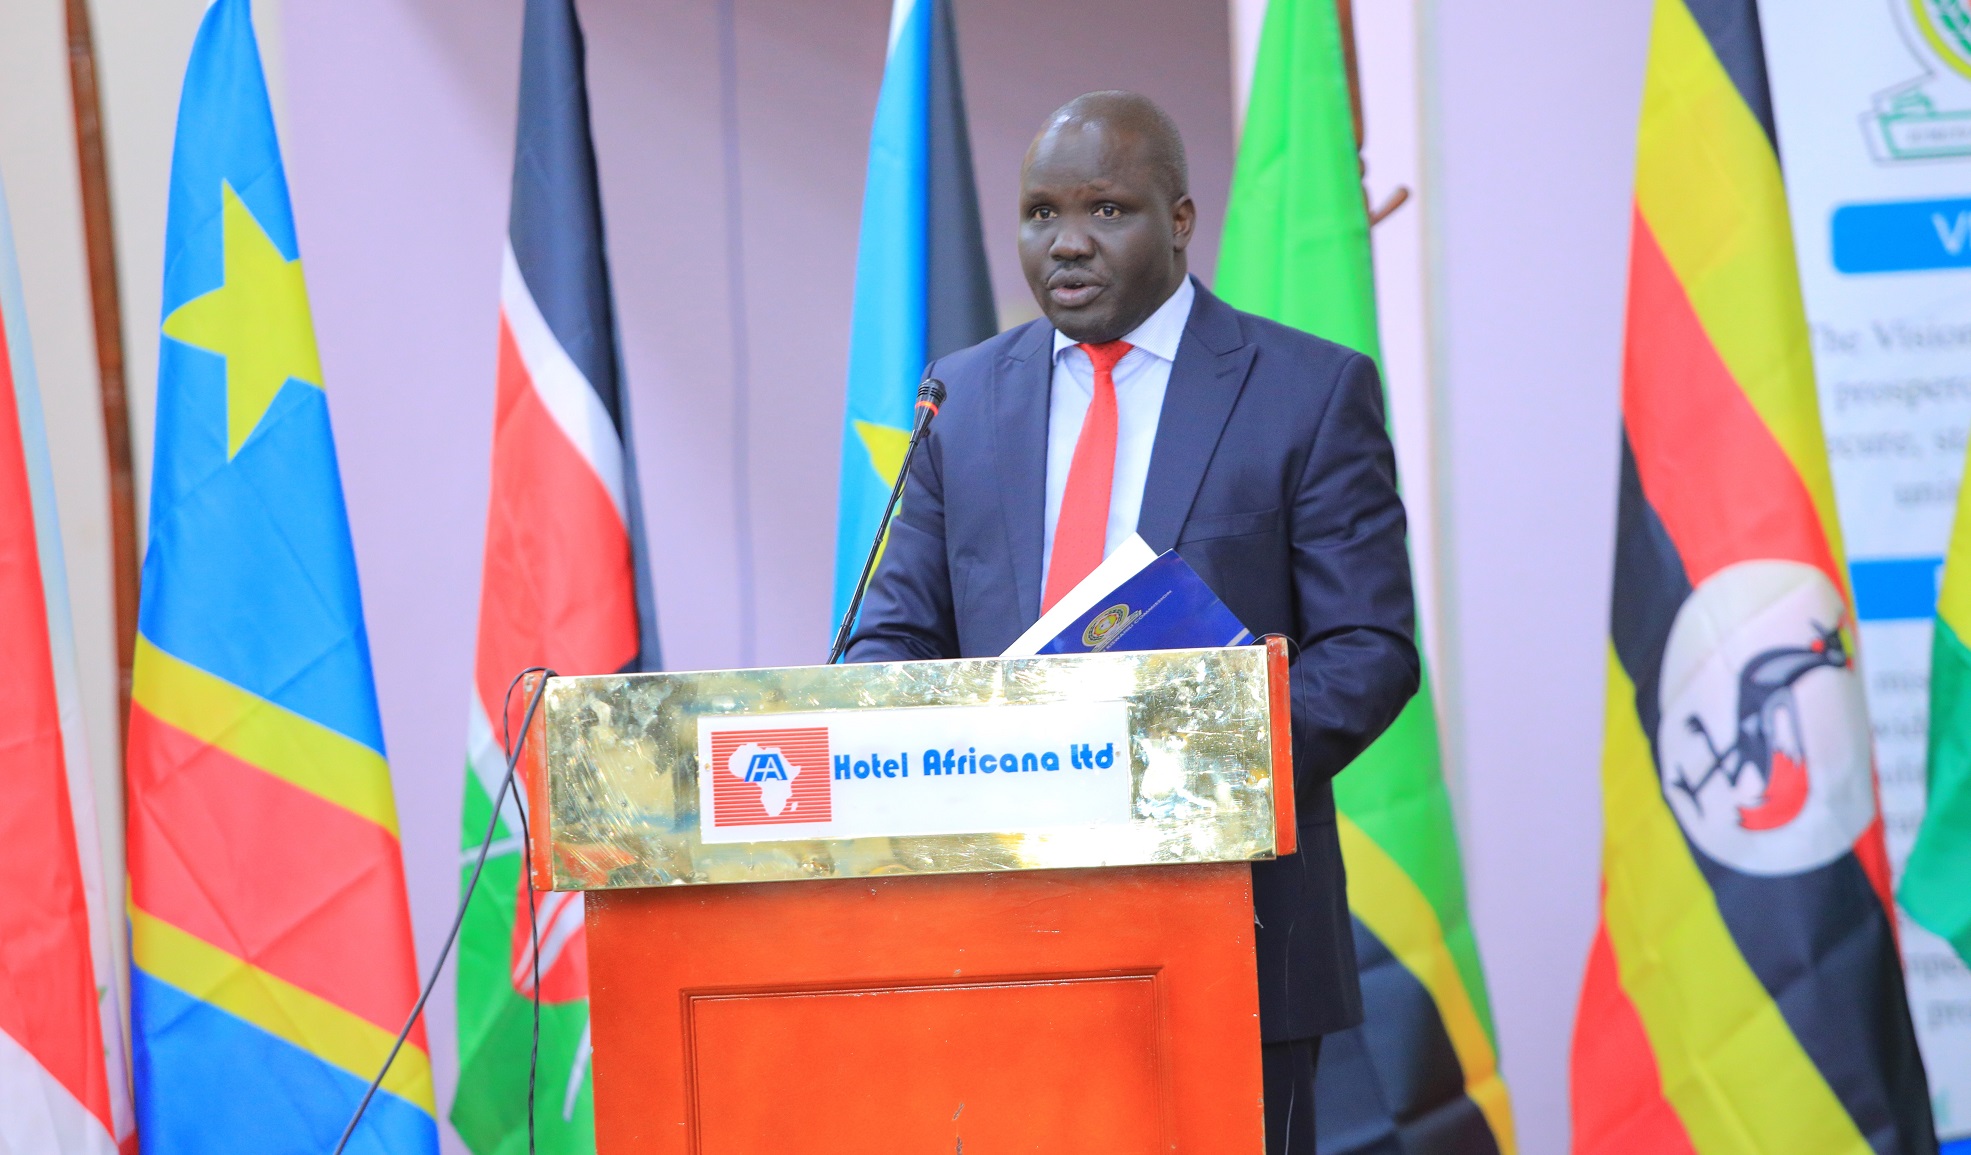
[
  {"x": 1954, "y": 599},
  {"x": 1395, "y": 911},
  {"x": 308, "y": 1021},
  {"x": 1708, "y": 182},
  {"x": 1730, "y": 1065},
  {"x": 297, "y": 750}
]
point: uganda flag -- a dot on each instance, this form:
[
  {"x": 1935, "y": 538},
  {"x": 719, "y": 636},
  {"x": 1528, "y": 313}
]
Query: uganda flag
[
  {"x": 1420, "y": 1076},
  {"x": 1743, "y": 991},
  {"x": 270, "y": 933}
]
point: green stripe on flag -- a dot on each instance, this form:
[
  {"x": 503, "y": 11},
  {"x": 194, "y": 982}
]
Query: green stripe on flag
[
  {"x": 1296, "y": 249},
  {"x": 495, "y": 1024},
  {"x": 1934, "y": 889}
]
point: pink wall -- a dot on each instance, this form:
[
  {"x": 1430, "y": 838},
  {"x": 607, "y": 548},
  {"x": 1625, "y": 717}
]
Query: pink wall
[{"x": 1530, "y": 157}]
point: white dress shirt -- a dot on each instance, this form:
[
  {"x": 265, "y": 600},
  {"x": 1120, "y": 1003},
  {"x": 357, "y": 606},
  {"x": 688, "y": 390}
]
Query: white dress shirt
[{"x": 1141, "y": 378}]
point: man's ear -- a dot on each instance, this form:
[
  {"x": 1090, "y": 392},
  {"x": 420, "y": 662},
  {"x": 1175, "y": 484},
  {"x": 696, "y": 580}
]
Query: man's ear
[{"x": 1183, "y": 218}]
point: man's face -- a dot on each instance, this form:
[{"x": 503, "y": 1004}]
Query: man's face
[{"x": 1101, "y": 242}]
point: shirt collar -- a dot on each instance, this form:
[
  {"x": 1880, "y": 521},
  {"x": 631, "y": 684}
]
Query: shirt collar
[{"x": 1159, "y": 334}]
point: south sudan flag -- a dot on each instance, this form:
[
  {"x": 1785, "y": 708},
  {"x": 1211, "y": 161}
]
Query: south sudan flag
[
  {"x": 1421, "y": 1075},
  {"x": 1743, "y": 990}
]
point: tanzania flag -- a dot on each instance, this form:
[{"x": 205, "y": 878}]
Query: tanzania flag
[
  {"x": 64, "y": 1085},
  {"x": 271, "y": 939},
  {"x": 1743, "y": 991},
  {"x": 921, "y": 283},
  {"x": 1936, "y": 886},
  {"x": 1422, "y": 1073},
  {"x": 561, "y": 587}
]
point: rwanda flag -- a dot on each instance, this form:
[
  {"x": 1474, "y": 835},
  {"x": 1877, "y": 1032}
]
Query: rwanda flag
[
  {"x": 1743, "y": 991},
  {"x": 1936, "y": 886},
  {"x": 921, "y": 284},
  {"x": 271, "y": 939},
  {"x": 1422, "y": 1073}
]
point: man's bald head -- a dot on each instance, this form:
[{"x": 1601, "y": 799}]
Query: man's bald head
[
  {"x": 1131, "y": 114},
  {"x": 1105, "y": 214}
]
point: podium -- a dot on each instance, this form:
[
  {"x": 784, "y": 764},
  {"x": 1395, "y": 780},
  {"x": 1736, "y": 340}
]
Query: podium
[{"x": 985, "y": 905}]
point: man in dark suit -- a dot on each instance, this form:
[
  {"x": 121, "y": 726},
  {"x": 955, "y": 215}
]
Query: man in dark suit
[{"x": 1144, "y": 404}]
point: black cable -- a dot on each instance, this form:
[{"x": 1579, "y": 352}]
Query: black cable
[
  {"x": 533, "y": 918},
  {"x": 930, "y": 395},
  {"x": 458, "y": 920}
]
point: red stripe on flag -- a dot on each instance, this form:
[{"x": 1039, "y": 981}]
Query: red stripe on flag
[
  {"x": 558, "y": 588},
  {"x": 1714, "y": 473},
  {"x": 47, "y": 976},
  {"x": 1615, "y": 1087},
  {"x": 268, "y": 872}
]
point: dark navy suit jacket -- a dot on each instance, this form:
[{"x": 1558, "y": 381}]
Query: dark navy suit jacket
[{"x": 1273, "y": 476}]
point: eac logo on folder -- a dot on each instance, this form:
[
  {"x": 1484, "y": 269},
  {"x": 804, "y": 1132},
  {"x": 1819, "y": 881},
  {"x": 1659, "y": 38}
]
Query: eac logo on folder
[{"x": 770, "y": 777}]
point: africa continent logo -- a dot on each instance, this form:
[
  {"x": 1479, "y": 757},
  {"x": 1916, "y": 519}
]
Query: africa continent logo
[
  {"x": 1763, "y": 741},
  {"x": 769, "y": 769},
  {"x": 770, "y": 777}
]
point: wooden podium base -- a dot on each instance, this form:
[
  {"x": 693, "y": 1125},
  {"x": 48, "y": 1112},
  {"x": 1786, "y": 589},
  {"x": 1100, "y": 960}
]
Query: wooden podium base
[{"x": 1078, "y": 1012}]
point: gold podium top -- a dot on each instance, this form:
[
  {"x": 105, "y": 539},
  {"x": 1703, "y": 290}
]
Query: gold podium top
[{"x": 944, "y": 767}]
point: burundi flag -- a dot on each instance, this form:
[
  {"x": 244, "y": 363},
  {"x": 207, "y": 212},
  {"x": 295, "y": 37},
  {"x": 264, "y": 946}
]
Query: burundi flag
[
  {"x": 1936, "y": 885},
  {"x": 64, "y": 1085},
  {"x": 271, "y": 939},
  {"x": 1743, "y": 991},
  {"x": 1422, "y": 1072},
  {"x": 921, "y": 284},
  {"x": 561, "y": 587}
]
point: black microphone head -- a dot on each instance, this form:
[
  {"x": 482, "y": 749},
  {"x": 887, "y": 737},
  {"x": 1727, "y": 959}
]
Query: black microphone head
[{"x": 932, "y": 391}]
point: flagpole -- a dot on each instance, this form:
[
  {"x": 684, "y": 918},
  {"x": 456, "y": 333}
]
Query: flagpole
[{"x": 99, "y": 237}]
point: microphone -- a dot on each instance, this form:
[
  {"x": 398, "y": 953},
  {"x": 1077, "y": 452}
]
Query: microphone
[{"x": 930, "y": 395}]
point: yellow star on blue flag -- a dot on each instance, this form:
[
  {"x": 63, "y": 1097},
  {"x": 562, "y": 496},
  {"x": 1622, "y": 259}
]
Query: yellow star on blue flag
[{"x": 258, "y": 321}]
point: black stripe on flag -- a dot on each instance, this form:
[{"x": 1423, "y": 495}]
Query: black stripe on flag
[
  {"x": 1650, "y": 586},
  {"x": 958, "y": 310},
  {"x": 555, "y": 221},
  {"x": 1732, "y": 27},
  {"x": 1821, "y": 945},
  {"x": 1394, "y": 1084}
]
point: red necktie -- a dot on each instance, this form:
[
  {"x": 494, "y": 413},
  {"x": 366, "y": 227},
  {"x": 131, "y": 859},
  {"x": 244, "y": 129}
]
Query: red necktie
[{"x": 1081, "y": 532}]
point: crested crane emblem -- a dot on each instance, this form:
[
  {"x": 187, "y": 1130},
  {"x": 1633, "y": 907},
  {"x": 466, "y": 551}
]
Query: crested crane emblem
[{"x": 1763, "y": 743}]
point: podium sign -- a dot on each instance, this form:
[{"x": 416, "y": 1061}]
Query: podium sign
[
  {"x": 948, "y": 767},
  {"x": 1077, "y": 978}
]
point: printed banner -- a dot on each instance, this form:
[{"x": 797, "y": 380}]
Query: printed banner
[
  {"x": 927, "y": 770},
  {"x": 1873, "y": 104}
]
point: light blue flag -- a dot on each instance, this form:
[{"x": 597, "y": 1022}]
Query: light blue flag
[{"x": 921, "y": 285}]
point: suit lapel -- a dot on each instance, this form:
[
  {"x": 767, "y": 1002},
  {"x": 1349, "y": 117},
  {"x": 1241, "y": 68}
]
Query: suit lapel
[
  {"x": 1022, "y": 381},
  {"x": 1205, "y": 382}
]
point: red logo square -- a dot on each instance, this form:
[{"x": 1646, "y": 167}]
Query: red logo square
[{"x": 770, "y": 777}]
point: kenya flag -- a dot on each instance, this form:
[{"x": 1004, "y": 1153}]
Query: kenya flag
[{"x": 561, "y": 588}]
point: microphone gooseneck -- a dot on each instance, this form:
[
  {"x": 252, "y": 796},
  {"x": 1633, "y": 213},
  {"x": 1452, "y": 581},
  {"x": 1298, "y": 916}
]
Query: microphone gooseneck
[{"x": 930, "y": 395}]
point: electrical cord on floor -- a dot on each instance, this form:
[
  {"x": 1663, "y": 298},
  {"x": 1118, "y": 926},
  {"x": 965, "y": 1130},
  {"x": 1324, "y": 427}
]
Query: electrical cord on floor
[{"x": 512, "y": 752}]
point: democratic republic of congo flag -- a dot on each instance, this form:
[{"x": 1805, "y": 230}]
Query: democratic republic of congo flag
[
  {"x": 271, "y": 938},
  {"x": 1936, "y": 885},
  {"x": 64, "y": 1085},
  {"x": 1421, "y": 1075},
  {"x": 921, "y": 284},
  {"x": 1743, "y": 991},
  {"x": 561, "y": 587}
]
